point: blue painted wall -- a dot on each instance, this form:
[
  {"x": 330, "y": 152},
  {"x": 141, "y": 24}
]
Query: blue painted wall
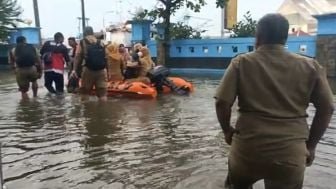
[
  {"x": 326, "y": 24},
  {"x": 31, "y": 34},
  {"x": 230, "y": 47},
  {"x": 140, "y": 31}
]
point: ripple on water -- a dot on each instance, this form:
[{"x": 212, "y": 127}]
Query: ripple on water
[{"x": 171, "y": 142}]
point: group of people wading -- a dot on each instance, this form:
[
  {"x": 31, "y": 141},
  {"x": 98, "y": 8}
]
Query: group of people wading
[
  {"x": 271, "y": 139},
  {"x": 91, "y": 61}
]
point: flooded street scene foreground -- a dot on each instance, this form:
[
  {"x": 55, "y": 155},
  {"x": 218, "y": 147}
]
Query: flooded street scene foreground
[{"x": 173, "y": 141}]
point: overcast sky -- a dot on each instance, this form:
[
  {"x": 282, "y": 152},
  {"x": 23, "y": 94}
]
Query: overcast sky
[{"x": 61, "y": 15}]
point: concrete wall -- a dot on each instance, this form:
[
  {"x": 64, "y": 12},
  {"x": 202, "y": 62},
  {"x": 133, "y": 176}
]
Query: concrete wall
[
  {"x": 217, "y": 53},
  {"x": 120, "y": 37},
  {"x": 31, "y": 34},
  {"x": 326, "y": 53},
  {"x": 326, "y": 42},
  {"x": 230, "y": 47},
  {"x": 140, "y": 31}
]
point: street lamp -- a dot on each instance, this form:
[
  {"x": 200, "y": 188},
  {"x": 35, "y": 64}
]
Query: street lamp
[{"x": 37, "y": 19}]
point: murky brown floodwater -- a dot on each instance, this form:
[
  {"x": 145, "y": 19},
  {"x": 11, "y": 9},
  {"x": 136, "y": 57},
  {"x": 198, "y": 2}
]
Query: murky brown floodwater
[{"x": 171, "y": 142}]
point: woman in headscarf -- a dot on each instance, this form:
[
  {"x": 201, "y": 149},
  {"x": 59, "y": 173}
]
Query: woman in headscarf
[
  {"x": 115, "y": 63},
  {"x": 146, "y": 62},
  {"x": 125, "y": 54}
]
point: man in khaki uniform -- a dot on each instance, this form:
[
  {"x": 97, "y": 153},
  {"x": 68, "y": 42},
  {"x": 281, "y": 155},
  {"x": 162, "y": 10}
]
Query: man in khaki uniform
[
  {"x": 271, "y": 139},
  {"x": 24, "y": 60},
  {"x": 91, "y": 78}
]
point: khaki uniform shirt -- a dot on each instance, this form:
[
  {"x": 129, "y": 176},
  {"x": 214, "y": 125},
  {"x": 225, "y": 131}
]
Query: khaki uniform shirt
[{"x": 274, "y": 88}]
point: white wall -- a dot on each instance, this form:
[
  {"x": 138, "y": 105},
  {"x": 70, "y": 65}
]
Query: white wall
[{"x": 119, "y": 37}]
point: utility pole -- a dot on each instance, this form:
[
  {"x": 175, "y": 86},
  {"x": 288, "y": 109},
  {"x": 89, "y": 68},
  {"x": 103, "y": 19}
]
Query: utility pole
[
  {"x": 224, "y": 20},
  {"x": 37, "y": 19},
  {"x": 83, "y": 16}
]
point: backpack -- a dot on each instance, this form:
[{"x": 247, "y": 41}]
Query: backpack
[
  {"x": 25, "y": 55},
  {"x": 49, "y": 48},
  {"x": 47, "y": 58},
  {"x": 95, "y": 56}
]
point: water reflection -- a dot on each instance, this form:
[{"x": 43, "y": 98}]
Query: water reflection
[
  {"x": 29, "y": 114},
  {"x": 101, "y": 120},
  {"x": 171, "y": 142}
]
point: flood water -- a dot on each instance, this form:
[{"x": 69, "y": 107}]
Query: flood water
[{"x": 170, "y": 142}]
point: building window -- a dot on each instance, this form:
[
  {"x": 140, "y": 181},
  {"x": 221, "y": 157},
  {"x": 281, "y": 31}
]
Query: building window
[
  {"x": 192, "y": 49},
  {"x": 179, "y": 49},
  {"x": 219, "y": 49},
  {"x": 234, "y": 49},
  {"x": 205, "y": 49},
  {"x": 250, "y": 48},
  {"x": 303, "y": 48}
]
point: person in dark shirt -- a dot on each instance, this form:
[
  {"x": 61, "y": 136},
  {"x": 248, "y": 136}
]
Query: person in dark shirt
[
  {"x": 54, "y": 57},
  {"x": 73, "y": 83}
]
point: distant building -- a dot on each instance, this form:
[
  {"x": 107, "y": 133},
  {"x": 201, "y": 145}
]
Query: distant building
[
  {"x": 120, "y": 34},
  {"x": 299, "y": 13}
]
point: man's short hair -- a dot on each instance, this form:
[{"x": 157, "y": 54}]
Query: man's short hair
[
  {"x": 88, "y": 30},
  {"x": 20, "y": 39},
  {"x": 58, "y": 36},
  {"x": 72, "y": 39},
  {"x": 272, "y": 29}
]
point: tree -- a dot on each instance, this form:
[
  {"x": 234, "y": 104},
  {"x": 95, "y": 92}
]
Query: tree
[
  {"x": 246, "y": 27},
  {"x": 180, "y": 30},
  {"x": 9, "y": 17},
  {"x": 165, "y": 9}
]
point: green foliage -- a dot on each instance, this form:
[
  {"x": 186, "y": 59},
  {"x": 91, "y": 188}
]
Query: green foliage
[
  {"x": 221, "y": 3},
  {"x": 141, "y": 15},
  {"x": 169, "y": 7},
  {"x": 246, "y": 27},
  {"x": 9, "y": 13},
  {"x": 182, "y": 31}
]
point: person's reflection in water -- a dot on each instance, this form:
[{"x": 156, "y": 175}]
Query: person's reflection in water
[
  {"x": 54, "y": 112},
  {"x": 29, "y": 114},
  {"x": 102, "y": 120}
]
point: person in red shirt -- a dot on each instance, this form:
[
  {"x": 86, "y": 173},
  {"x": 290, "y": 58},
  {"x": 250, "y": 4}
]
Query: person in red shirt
[{"x": 54, "y": 56}]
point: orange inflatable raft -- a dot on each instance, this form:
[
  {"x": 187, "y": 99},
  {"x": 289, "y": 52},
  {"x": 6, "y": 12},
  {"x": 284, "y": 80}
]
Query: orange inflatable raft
[{"x": 141, "y": 90}]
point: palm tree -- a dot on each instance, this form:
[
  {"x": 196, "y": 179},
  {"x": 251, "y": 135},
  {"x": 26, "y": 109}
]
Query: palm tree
[{"x": 9, "y": 17}]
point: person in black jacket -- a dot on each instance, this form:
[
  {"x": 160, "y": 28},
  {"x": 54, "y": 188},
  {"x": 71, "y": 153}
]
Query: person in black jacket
[{"x": 54, "y": 56}]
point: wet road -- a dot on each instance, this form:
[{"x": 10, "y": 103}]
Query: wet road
[{"x": 171, "y": 142}]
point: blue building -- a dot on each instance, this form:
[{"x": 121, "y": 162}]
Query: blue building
[
  {"x": 31, "y": 34},
  {"x": 217, "y": 53}
]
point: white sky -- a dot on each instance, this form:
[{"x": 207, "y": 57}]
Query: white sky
[{"x": 61, "y": 15}]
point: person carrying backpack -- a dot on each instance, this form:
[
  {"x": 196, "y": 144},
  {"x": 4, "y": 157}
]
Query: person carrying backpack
[
  {"x": 24, "y": 59},
  {"x": 54, "y": 56},
  {"x": 91, "y": 54}
]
